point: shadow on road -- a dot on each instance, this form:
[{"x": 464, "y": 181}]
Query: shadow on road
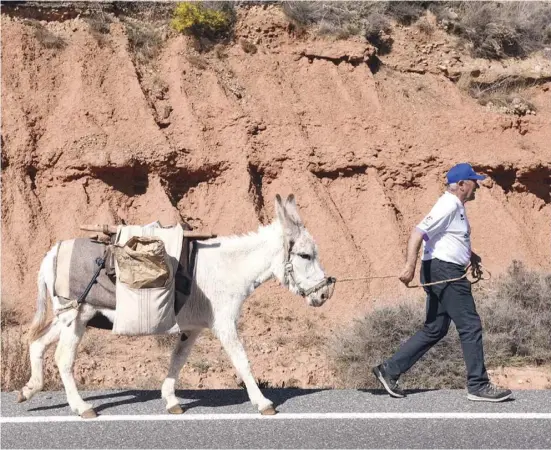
[
  {"x": 382, "y": 392},
  {"x": 192, "y": 398},
  {"x": 204, "y": 398}
]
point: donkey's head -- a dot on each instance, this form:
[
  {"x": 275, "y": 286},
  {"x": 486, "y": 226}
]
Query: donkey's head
[{"x": 301, "y": 272}]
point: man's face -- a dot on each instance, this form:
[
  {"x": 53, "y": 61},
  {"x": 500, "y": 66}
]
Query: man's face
[{"x": 468, "y": 188}]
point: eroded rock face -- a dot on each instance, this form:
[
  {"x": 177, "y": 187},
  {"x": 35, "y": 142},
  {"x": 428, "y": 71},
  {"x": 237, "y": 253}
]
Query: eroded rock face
[{"x": 91, "y": 135}]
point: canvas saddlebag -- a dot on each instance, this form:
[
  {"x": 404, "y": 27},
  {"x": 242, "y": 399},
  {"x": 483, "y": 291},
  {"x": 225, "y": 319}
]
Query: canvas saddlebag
[
  {"x": 142, "y": 263},
  {"x": 145, "y": 266}
]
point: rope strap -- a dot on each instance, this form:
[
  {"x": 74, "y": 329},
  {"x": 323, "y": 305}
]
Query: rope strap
[
  {"x": 73, "y": 304},
  {"x": 477, "y": 273}
]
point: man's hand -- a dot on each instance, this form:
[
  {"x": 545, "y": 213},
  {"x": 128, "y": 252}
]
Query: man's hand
[
  {"x": 476, "y": 270},
  {"x": 407, "y": 275},
  {"x": 414, "y": 244},
  {"x": 475, "y": 259}
]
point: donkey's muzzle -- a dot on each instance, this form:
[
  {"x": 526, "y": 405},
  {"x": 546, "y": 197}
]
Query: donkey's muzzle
[
  {"x": 328, "y": 285},
  {"x": 330, "y": 288}
]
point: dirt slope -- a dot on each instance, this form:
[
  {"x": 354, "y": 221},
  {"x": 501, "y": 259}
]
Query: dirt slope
[{"x": 91, "y": 136}]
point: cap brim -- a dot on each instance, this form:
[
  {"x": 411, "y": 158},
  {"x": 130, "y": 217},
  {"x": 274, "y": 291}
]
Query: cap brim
[{"x": 477, "y": 177}]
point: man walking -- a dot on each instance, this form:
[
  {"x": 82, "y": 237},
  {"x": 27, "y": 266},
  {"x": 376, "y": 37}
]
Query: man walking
[{"x": 445, "y": 233}]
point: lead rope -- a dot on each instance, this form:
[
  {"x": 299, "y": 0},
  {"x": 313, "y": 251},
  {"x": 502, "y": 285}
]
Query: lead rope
[{"x": 477, "y": 274}]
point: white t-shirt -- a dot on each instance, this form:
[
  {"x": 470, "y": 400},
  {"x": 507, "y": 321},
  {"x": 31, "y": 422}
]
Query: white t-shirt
[{"x": 446, "y": 231}]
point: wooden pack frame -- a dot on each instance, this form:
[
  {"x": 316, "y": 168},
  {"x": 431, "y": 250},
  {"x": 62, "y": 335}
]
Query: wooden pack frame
[{"x": 109, "y": 232}]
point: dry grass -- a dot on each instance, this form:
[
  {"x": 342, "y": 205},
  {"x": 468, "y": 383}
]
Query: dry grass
[
  {"x": 248, "y": 46},
  {"x": 16, "y": 368},
  {"x": 497, "y": 30},
  {"x": 378, "y": 23},
  {"x": 166, "y": 342},
  {"x": 100, "y": 27},
  {"x": 309, "y": 340},
  {"x": 491, "y": 29},
  {"x": 508, "y": 103},
  {"x": 9, "y": 317},
  {"x": 15, "y": 364},
  {"x": 281, "y": 341},
  {"x": 200, "y": 365},
  {"x": 144, "y": 41},
  {"x": 291, "y": 383},
  {"x": 101, "y": 24},
  {"x": 516, "y": 316},
  {"x": 46, "y": 38},
  {"x": 198, "y": 62},
  {"x": 343, "y": 19},
  {"x": 426, "y": 27},
  {"x": 507, "y": 95},
  {"x": 147, "y": 11}
]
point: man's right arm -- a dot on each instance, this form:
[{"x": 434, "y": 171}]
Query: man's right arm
[
  {"x": 434, "y": 223},
  {"x": 414, "y": 244}
]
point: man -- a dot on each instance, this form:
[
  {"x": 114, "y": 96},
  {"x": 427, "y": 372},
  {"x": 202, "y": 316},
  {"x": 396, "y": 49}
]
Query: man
[{"x": 445, "y": 233}]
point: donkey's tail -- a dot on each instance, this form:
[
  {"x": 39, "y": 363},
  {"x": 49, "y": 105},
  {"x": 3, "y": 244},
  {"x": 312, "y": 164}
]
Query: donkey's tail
[{"x": 40, "y": 321}]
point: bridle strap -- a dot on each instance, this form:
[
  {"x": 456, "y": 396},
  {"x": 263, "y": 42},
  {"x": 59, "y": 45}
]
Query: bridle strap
[{"x": 290, "y": 275}]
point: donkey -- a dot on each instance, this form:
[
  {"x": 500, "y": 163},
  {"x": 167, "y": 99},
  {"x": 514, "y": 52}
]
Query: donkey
[{"x": 227, "y": 271}]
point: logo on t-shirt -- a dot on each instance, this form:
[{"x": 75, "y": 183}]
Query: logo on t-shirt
[
  {"x": 427, "y": 220},
  {"x": 462, "y": 216}
]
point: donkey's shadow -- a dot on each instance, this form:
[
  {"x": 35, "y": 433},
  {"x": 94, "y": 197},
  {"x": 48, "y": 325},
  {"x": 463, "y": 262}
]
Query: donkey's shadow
[{"x": 208, "y": 398}]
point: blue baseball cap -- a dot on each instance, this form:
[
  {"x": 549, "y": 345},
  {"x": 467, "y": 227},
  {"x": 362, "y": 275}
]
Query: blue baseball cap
[{"x": 463, "y": 171}]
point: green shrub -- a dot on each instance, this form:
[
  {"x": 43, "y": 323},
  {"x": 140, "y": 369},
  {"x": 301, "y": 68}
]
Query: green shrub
[{"x": 200, "y": 20}]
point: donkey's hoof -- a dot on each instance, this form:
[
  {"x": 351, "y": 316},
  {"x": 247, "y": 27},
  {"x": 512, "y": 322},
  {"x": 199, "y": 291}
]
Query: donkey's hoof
[
  {"x": 269, "y": 411},
  {"x": 176, "y": 409},
  {"x": 20, "y": 397},
  {"x": 89, "y": 414}
]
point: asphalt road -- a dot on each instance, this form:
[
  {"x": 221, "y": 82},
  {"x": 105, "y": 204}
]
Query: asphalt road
[{"x": 306, "y": 419}]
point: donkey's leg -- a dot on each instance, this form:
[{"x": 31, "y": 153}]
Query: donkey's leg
[
  {"x": 234, "y": 348},
  {"x": 177, "y": 361},
  {"x": 37, "y": 349},
  {"x": 65, "y": 358}
]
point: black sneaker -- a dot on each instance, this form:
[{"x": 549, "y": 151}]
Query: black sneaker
[
  {"x": 490, "y": 393},
  {"x": 390, "y": 384}
]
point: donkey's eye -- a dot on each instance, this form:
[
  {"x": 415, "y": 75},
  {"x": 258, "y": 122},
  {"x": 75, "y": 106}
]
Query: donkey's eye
[{"x": 305, "y": 256}]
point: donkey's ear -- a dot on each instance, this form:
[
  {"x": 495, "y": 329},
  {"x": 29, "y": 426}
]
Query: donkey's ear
[
  {"x": 292, "y": 210},
  {"x": 280, "y": 210}
]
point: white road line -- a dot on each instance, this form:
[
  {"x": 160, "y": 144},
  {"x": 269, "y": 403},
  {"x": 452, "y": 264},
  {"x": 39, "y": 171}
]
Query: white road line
[{"x": 280, "y": 416}]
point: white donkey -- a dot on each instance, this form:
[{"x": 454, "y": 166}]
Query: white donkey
[{"x": 228, "y": 269}]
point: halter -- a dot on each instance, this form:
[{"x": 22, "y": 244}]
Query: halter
[{"x": 290, "y": 275}]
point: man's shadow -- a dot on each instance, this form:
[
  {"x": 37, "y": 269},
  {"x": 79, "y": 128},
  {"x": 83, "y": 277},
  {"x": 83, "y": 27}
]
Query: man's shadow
[
  {"x": 382, "y": 392},
  {"x": 410, "y": 392}
]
